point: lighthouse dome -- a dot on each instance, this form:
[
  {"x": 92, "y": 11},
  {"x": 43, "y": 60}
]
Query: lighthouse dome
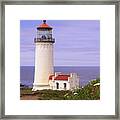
[
  {"x": 44, "y": 33},
  {"x": 44, "y": 25}
]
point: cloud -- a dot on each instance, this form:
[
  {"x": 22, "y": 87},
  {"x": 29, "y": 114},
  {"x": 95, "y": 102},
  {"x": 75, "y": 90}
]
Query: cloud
[{"x": 77, "y": 41}]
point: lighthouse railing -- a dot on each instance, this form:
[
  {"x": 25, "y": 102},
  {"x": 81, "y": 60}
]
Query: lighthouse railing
[{"x": 44, "y": 40}]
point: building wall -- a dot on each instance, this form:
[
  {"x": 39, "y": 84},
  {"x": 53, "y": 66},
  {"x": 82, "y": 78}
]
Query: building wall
[
  {"x": 74, "y": 81},
  {"x": 43, "y": 64},
  {"x": 53, "y": 84}
]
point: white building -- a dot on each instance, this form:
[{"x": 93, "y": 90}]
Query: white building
[{"x": 61, "y": 81}]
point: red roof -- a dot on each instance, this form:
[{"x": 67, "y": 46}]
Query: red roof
[
  {"x": 50, "y": 77},
  {"x": 60, "y": 77},
  {"x": 44, "y": 25}
]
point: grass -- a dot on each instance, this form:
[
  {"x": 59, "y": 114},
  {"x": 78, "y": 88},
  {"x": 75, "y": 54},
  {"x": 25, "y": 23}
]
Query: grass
[
  {"x": 24, "y": 91},
  {"x": 88, "y": 92}
]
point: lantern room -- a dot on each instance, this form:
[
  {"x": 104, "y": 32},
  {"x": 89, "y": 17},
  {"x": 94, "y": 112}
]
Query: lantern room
[{"x": 44, "y": 33}]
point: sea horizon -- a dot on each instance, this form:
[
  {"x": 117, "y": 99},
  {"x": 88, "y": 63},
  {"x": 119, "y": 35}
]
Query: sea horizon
[
  {"x": 57, "y": 66},
  {"x": 86, "y": 73}
]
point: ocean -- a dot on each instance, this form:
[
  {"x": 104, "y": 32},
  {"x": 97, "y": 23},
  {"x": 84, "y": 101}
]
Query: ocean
[{"x": 86, "y": 73}]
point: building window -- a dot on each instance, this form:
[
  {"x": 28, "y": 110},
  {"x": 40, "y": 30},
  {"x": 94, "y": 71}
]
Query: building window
[
  {"x": 65, "y": 85},
  {"x": 57, "y": 85}
]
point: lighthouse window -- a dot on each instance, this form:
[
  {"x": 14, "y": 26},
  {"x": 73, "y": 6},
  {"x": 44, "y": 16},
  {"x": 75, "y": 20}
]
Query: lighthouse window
[
  {"x": 57, "y": 85},
  {"x": 43, "y": 37},
  {"x": 49, "y": 36},
  {"x": 38, "y": 35}
]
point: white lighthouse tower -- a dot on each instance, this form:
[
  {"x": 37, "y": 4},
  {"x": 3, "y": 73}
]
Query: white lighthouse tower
[{"x": 43, "y": 57}]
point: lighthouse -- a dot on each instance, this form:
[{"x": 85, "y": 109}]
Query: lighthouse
[{"x": 43, "y": 56}]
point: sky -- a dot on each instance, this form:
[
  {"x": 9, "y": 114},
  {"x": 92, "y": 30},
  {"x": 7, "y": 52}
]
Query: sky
[{"x": 77, "y": 42}]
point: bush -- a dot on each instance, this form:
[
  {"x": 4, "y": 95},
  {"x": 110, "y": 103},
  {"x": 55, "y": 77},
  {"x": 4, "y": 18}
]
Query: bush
[
  {"x": 52, "y": 94},
  {"x": 88, "y": 92}
]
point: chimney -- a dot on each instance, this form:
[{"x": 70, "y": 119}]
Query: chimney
[{"x": 57, "y": 73}]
